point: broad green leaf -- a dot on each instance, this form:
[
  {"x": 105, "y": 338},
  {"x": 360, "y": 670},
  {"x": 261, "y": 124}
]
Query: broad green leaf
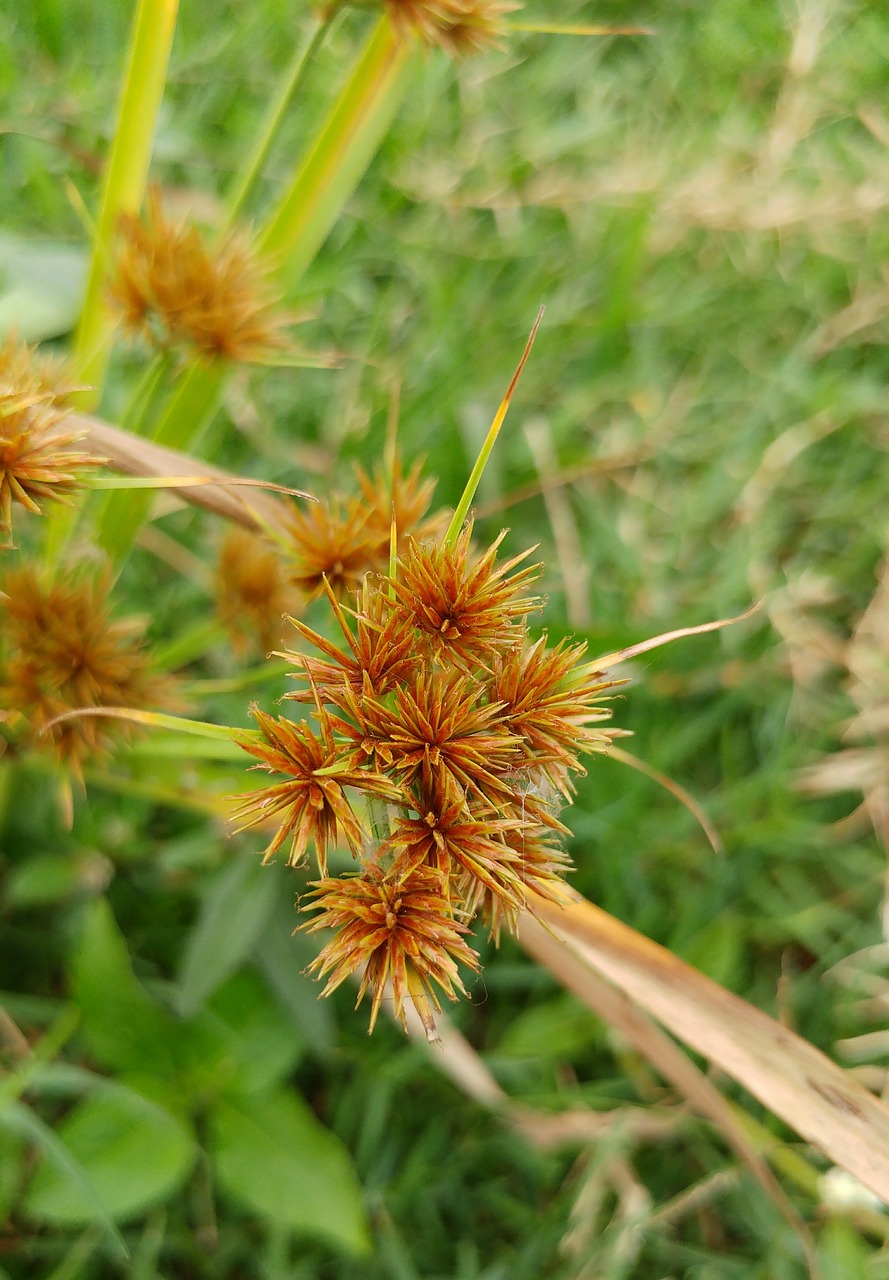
[
  {"x": 136, "y": 1154},
  {"x": 274, "y": 1157},
  {"x": 233, "y": 915},
  {"x": 263, "y": 1046},
  {"x": 124, "y": 1027}
]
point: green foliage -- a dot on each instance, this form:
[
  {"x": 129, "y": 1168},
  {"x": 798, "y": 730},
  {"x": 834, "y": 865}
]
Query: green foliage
[{"x": 705, "y": 223}]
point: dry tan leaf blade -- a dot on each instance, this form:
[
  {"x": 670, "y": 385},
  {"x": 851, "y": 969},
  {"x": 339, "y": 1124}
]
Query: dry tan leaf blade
[
  {"x": 824, "y": 1104},
  {"x": 618, "y": 1009},
  {"x": 209, "y": 487}
]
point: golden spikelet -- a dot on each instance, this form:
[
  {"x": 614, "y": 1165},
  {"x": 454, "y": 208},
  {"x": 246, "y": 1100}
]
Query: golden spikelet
[
  {"x": 172, "y": 288},
  {"x": 38, "y": 458},
  {"x": 460, "y": 27},
  {"x": 62, "y": 652}
]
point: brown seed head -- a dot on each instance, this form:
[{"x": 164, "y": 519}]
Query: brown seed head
[
  {"x": 252, "y": 592},
  {"x": 330, "y": 541},
  {"x": 172, "y": 288},
  {"x": 399, "y": 930},
  {"x": 379, "y": 653},
  {"x": 65, "y": 653},
  {"x": 467, "y": 609},
  {"x": 460, "y": 27},
  {"x": 312, "y": 801},
  {"x": 37, "y": 455}
]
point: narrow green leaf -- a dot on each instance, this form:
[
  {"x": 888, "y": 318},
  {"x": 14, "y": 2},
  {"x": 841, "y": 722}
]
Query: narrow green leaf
[
  {"x": 283, "y": 958},
  {"x": 273, "y": 1156},
  {"x": 233, "y": 914},
  {"x": 135, "y": 1152},
  {"x": 293, "y": 76},
  {"x": 19, "y": 1119},
  {"x": 12, "y": 1168},
  {"x": 340, "y": 154}
]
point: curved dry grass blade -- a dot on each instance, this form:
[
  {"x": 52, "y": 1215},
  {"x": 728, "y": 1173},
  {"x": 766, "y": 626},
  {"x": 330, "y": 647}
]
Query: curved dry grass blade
[
  {"x": 675, "y": 789},
  {"x": 207, "y": 486},
  {"x": 612, "y": 1004},
  {"x": 825, "y": 1105},
  {"x": 656, "y": 642}
]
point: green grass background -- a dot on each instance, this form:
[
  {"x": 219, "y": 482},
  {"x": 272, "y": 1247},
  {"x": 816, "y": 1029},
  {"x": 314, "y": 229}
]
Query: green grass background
[{"x": 697, "y": 210}]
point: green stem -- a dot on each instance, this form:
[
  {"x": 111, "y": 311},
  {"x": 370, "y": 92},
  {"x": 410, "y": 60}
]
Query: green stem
[
  {"x": 125, "y": 176},
  {"x": 191, "y": 405},
  {"x": 340, "y": 154},
  {"x": 272, "y": 122}
]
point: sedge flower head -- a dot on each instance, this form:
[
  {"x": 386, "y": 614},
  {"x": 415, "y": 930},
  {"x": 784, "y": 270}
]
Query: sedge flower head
[
  {"x": 329, "y": 543},
  {"x": 380, "y": 652},
  {"x": 465, "y": 608},
  {"x": 64, "y": 652},
  {"x": 402, "y": 498},
  {"x": 554, "y": 704},
  {"x": 459, "y": 27},
  {"x": 252, "y": 592},
  {"x": 457, "y": 730},
  {"x": 399, "y": 930},
  {"x": 38, "y": 455},
  {"x": 310, "y": 805},
  {"x": 172, "y": 288}
]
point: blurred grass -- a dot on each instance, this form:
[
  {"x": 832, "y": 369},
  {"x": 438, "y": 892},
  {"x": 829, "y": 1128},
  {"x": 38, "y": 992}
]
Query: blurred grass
[{"x": 699, "y": 212}]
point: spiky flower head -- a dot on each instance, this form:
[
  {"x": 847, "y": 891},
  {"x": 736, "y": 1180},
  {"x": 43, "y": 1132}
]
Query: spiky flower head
[
  {"x": 399, "y": 930},
  {"x": 459, "y": 27},
  {"x": 38, "y": 455},
  {"x": 460, "y": 733},
  {"x": 312, "y": 800},
  {"x": 329, "y": 543},
  {"x": 173, "y": 288},
  {"x": 465, "y": 608},
  {"x": 252, "y": 592},
  {"x": 62, "y": 651}
]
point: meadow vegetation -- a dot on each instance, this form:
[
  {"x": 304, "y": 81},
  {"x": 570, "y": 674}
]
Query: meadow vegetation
[{"x": 703, "y": 210}]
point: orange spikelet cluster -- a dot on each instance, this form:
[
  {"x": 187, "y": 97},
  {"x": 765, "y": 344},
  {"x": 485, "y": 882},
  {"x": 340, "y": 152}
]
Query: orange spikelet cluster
[
  {"x": 38, "y": 458},
  {"x": 460, "y": 734},
  {"x": 61, "y": 651},
  {"x": 335, "y": 543},
  {"x": 173, "y": 289},
  {"x": 459, "y": 27}
]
